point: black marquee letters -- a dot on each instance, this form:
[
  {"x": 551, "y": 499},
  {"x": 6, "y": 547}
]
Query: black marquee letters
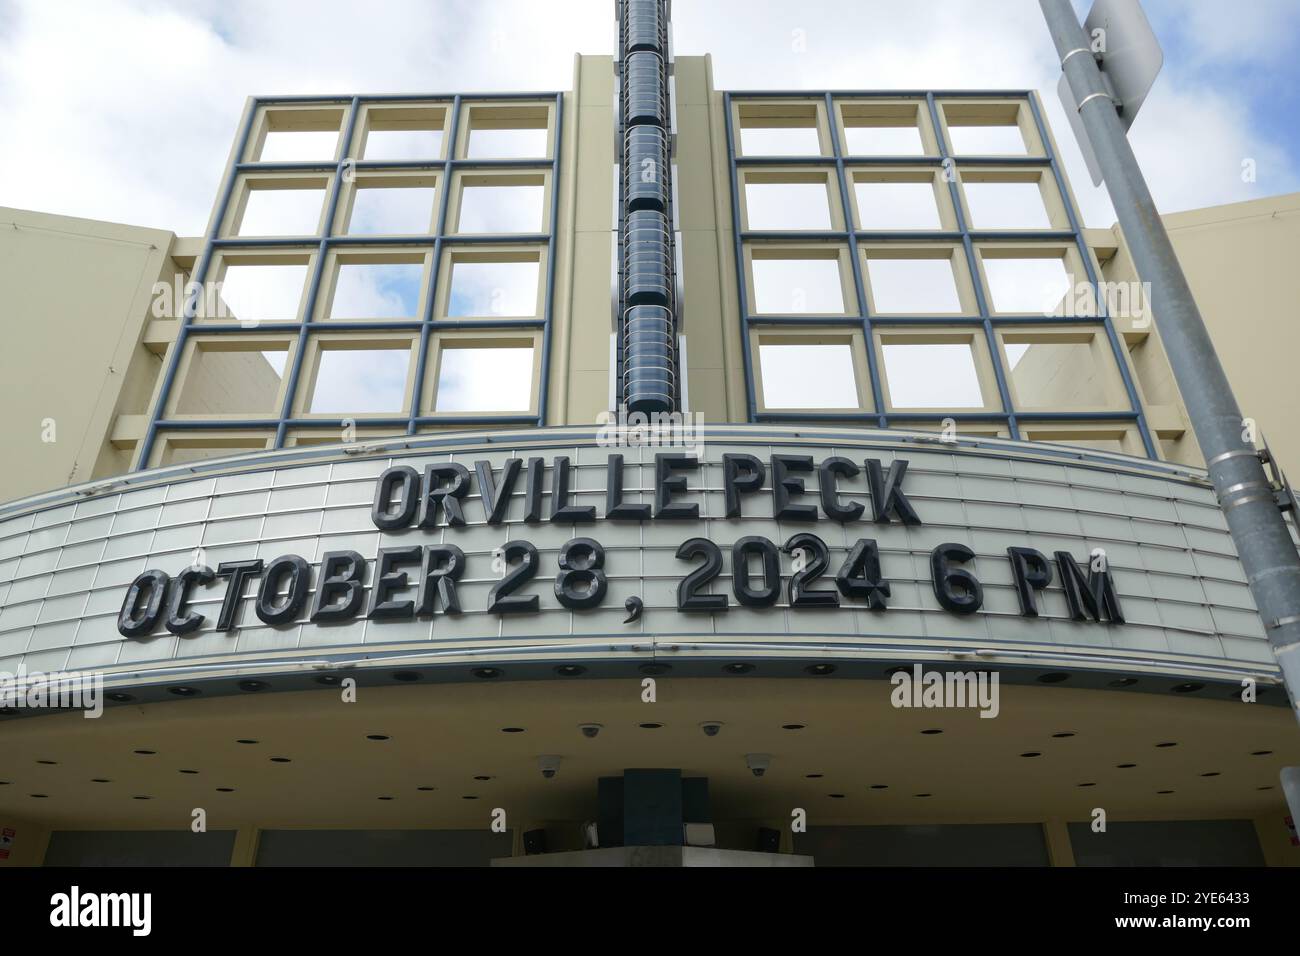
[
  {"x": 436, "y": 497},
  {"x": 533, "y": 491},
  {"x": 827, "y": 472},
  {"x": 443, "y": 565},
  {"x": 887, "y": 492},
  {"x": 388, "y": 579},
  {"x": 408, "y": 480},
  {"x": 615, "y": 509},
  {"x": 1088, "y": 598},
  {"x": 1031, "y": 572},
  {"x": 561, "y": 510},
  {"x": 860, "y": 577},
  {"x": 239, "y": 572},
  {"x": 131, "y": 620},
  {"x": 668, "y": 484},
  {"x": 740, "y": 473},
  {"x": 179, "y": 621},
  {"x": 299, "y": 574},
  {"x": 342, "y": 574},
  {"x": 496, "y": 495},
  {"x": 956, "y": 588},
  {"x": 406, "y": 499},
  {"x": 784, "y": 488},
  {"x": 745, "y": 592}
]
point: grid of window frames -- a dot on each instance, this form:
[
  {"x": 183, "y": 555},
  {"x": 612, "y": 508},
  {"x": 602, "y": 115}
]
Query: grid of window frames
[
  {"x": 909, "y": 258},
  {"x": 376, "y": 266}
]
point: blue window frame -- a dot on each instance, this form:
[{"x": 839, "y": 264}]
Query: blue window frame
[
  {"x": 839, "y": 165},
  {"x": 327, "y": 240}
]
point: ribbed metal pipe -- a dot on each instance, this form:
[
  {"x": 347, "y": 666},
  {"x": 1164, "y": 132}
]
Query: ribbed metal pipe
[
  {"x": 649, "y": 375},
  {"x": 647, "y": 283},
  {"x": 644, "y": 27},
  {"x": 647, "y": 259},
  {"x": 645, "y": 90},
  {"x": 646, "y": 169}
]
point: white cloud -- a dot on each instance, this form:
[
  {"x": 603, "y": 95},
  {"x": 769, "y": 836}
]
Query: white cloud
[
  {"x": 125, "y": 109},
  {"x": 1003, "y": 44},
  {"x": 1261, "y": 30}
]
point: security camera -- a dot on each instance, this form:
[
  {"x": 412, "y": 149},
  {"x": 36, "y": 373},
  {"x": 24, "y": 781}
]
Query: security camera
[
  {"x": 590, "y": 730},
  {"x": 711, "y": 727},
  {"x": 758, "y": 763},
  {"x": 549, "y": 765}
]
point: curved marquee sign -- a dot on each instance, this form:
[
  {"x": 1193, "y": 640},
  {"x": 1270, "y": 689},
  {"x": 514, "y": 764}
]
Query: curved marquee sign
[
  {"x": 415, "y": 580},
  {"x": 549, "y": 546}
]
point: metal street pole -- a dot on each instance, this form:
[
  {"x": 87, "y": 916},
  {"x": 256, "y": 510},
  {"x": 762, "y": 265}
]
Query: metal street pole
[{"x": 1256, "y": 523}]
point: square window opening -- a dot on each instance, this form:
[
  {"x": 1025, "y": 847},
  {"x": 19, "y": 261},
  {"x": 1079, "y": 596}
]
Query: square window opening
[
  {"x": 1057, "y": 373},
  {"x": 808, "y": 374},
  {"x": 985, "y": 128},
  {"x": 490, "y": 287},
  {"x": 299, "y": 135},
  {"x": 508, "y": 132},
  {"x": 913, "y": 286},
  {"x": 507, "y": 143},
  {"x": 793, "y": 205},
  {"x": 897, "y": 205},
  {"x": 361, "y": 380},
  {"x": 263, "y": 292},
  {"x": 1027, "y": 285},
  {"x": 400, "y": 133},
  {"x": 798, "y": 285},
  {"x": 1006, "y": 205},
  {"x": 222, "y": 379},
  {"x": 967, "y": 140},
  {"x": 881, "y": 129},
  {"x": 932, "y": 375},
  {"x": 883, "y": 141},
  {"x": 365, "y": 289},
  {"x": 290, "y": 210},
  {"x": 779, "y": 129},
  {"x": 288, "y": 146},
  {"x": 780, "y": 141},
  {"x": 489, "y": 207},
  {"x": 479, "y": 379},
  {"x": 386, "y": 208}
]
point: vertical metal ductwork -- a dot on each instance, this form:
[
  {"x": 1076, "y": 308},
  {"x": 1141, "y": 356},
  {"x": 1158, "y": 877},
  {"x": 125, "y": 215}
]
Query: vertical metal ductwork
[{"x": 647, "y": 333}]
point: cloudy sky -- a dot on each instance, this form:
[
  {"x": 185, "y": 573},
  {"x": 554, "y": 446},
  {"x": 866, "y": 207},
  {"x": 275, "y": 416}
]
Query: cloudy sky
[{"x": 125, "y": 109}]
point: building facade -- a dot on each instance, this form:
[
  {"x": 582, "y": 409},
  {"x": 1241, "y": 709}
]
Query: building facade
[{"x": 643, "y": 455}]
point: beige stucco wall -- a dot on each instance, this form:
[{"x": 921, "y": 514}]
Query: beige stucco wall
[
  {"x": 76, "y": 298},
  {"x": 583, "y": 313},
  {"x": 1239, "y": 260},
  {"x": 710, "y": 313}
]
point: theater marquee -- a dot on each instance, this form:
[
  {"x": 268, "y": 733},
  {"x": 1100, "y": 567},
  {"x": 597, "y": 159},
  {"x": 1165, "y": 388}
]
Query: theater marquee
[
  {"x": 406, "y": 500},
  {"x": 549, "y": 547}
]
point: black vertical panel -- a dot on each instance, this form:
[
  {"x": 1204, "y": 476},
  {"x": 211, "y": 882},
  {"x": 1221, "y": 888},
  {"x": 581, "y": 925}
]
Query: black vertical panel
[
  {"x": 695, "y": 800},
  {"x": 648, "y": 328},
  {"x": 609, "y": 816},
  {"x": 652, "y": 807}
]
